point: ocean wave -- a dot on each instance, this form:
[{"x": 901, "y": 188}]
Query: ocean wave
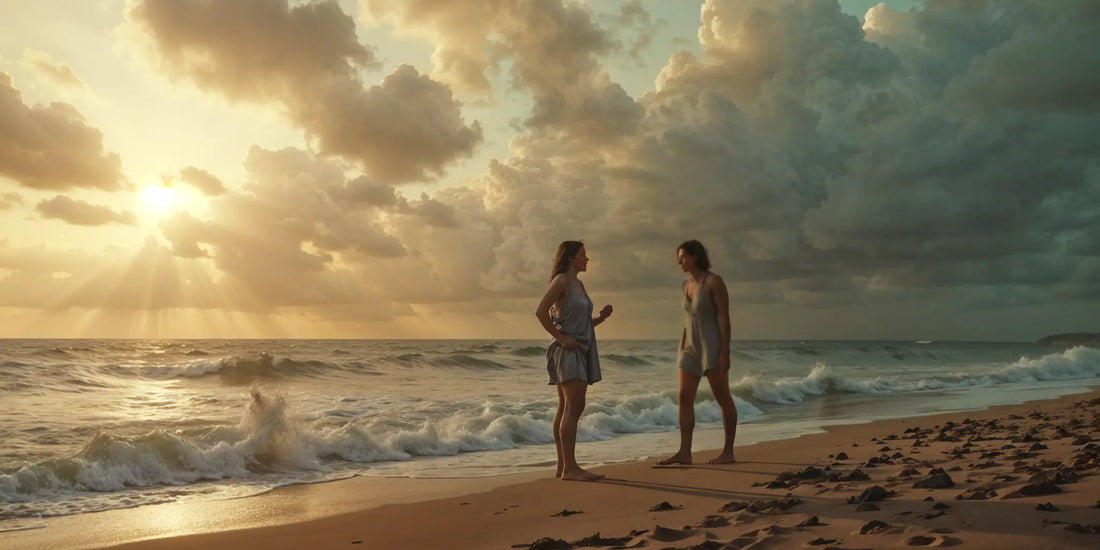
[
  {"x": 628, "y": 360},
  {"x": 1079, "y": 363},
  {"x": 238, "y": 369},
  {"x": 270, "y": 440},
  {"x": 529, "y": 351},
  {"x": 451, "y": 360},
  {"x": 478, "y": 348}
]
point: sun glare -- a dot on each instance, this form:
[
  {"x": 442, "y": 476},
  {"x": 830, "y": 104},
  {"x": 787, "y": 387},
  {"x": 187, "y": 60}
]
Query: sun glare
[{"x": 157, "y": 198}]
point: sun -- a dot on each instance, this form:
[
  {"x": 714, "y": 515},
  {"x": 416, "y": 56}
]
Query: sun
[{"x": 158, "y": 198}]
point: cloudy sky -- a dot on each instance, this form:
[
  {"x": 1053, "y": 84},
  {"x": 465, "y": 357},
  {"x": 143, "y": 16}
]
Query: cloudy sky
[{"x": 406, "y": 168}]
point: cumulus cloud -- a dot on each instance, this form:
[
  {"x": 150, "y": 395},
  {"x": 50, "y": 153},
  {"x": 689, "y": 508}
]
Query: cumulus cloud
[
  {"x": 202, "y": 180},
  {"x": 8, "y": 200},
  {"x": 840, "y": 173},
  {"x": 307, "y": 59},
  {"x": 554, "y": 51},
  {"x": 52, "y": 147},
  {"x": 825, "y": 164},
  {"x": 78, "y": 212},
  {"x": 286, "y": 238},
  {"x": 58, "y": 73}
]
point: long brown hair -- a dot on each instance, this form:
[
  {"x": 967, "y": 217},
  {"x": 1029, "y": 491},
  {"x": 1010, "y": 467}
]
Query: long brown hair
[
  {"x": 566, "y": 251},
  {"x": 696, "y": 250}
]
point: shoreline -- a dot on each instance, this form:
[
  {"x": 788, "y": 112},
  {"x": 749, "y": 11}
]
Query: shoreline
[{"x": 514, "y": 509}]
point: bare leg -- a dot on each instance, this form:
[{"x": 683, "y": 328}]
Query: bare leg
[
  {"x": 720, "y": 385},
  {"x": 689, "y": 384},
  {"x": 557, "y": 429},
  {"x": 574, "y": 392}
]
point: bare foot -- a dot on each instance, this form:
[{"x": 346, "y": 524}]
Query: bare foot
[
  {"x": 724, "y": 458},
  {"x": 678, "y": 458},
  {"x": 580, "y": 474}
]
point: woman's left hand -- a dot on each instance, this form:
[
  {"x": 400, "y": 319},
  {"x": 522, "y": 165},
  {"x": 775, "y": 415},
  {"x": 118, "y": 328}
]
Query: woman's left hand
[{"x": 606, "y": 311}]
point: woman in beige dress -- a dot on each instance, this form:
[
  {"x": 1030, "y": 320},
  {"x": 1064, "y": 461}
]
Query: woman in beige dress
[
  {"x": 572, "y": 360},
  {"x": 704, "y": 350}
]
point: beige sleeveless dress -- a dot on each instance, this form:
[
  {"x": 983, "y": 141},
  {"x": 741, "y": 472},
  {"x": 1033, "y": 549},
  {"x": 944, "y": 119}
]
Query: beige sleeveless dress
[
  {"x": 574, "y": 318},
  {"x": 702, "y": 335}
]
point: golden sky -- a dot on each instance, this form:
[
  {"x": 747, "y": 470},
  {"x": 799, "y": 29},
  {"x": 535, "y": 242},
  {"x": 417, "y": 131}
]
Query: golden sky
[{"x": 405, "y": 169}]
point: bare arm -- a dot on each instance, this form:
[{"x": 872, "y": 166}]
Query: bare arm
[
  {"x": 683, "y": 333},
  {"x": 554, "y": 293},
  {"x": 604, "y": 314},
  {"x": 721, "y": 298}
]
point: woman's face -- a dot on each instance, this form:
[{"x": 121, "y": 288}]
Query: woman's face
[
  {"x": 686, "y": 261},
  {"x": 580, "y": 260}
]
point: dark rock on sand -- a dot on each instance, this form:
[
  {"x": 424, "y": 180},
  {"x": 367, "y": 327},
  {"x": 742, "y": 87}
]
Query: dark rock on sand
[
  {"x": 1093, "y": 529},
  {"x": 711, "y": 522},
  {"x": 977, "y": 493},
  {"x": 842, "y": 456},
  {"x": 854, "y": 475},
  {"x": 1035, "y": 489},
  {"x": 874, "y": 527},
  {"x": 937, "y": 479},
  {"x": 811, "y": 521},
  {"x": 872, "y": 494},
  {"x": 772, "y": 506},
  {"x": 547, "y": 543},
  {"x": 566, "y": 513},
  {"x": 867, "y": 507},
  {"x": 1060, "y": 476},
  {"x": 1048, "y": 507},
  {"x": 665, "y": 534},
  {"x": 734, "y": 506},
  {"x": 597, "y": 540},
  {"x": 810, "y": 473},
  {"x": 940, "y": 506},
  {"x": 819, "y": 541},
  {"x": 664, "y": 507}
]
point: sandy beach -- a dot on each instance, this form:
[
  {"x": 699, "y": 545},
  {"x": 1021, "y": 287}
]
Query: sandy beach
[{"x": 1018, "y": 476}]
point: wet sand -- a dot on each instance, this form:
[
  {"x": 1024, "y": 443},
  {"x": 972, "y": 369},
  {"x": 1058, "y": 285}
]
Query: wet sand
[{"x": 1017, "y": 476}]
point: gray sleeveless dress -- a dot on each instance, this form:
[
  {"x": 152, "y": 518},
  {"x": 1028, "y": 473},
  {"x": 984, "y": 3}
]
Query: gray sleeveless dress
[
  {"x": 702, "y": 336},
  {"x": 574, "y": 318}
]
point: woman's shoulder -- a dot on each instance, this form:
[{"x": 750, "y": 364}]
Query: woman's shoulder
[
  {"x": 714, "y": 279},
  {"x": 560, "y": 280}
]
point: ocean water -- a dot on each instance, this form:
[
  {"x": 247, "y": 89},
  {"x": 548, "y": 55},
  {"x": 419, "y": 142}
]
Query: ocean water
[{"x": 90, "y": 425}]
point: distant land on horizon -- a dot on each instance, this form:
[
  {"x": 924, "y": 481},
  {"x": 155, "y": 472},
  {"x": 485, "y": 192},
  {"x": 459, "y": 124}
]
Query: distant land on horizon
[{"x": 1072, "y": 339}]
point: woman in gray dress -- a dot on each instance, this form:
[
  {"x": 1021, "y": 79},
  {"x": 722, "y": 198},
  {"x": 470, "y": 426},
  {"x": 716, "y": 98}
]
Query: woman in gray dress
[
  {"x": 704, "y": 350},
  {"x": 572, "y": 360}
]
